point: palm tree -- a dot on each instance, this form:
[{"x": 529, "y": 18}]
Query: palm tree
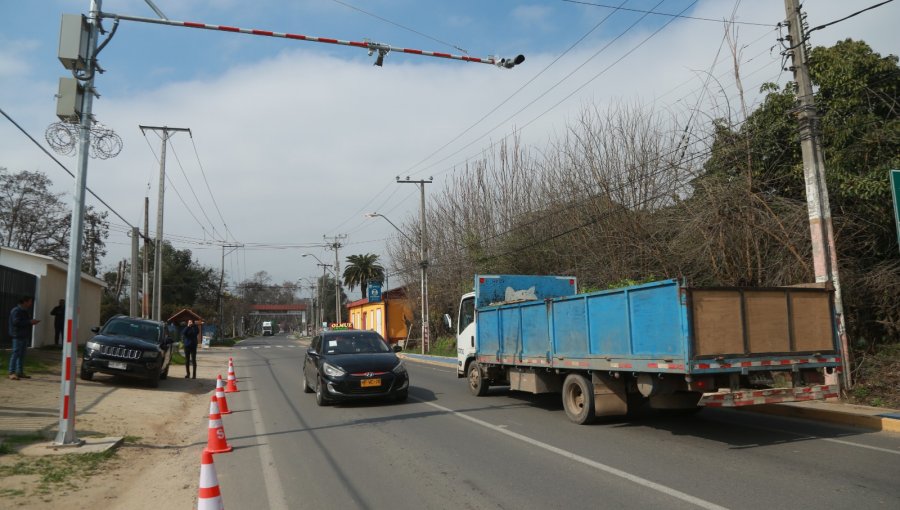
[{"x": 362, "y": 268}]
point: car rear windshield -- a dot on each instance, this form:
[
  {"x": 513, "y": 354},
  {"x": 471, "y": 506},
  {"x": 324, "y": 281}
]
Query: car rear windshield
[
  {"x": 354, "y": 344},
  {"x": 148, "y": 332}
]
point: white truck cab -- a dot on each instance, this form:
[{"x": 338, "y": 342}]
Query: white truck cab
[{"x": 465, "y": 334}]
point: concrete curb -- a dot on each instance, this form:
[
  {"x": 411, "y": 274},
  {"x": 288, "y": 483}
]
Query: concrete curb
[
  {"x": 835, "y": 416},
  {"x": 450, "y": 362}
]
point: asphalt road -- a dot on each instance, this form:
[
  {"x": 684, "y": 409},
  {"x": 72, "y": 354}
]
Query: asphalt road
[{"x": 445, "y": 448}]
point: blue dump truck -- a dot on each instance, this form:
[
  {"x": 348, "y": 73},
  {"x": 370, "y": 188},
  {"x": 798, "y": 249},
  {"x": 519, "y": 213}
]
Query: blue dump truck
[{"x": 664, "y": 344}]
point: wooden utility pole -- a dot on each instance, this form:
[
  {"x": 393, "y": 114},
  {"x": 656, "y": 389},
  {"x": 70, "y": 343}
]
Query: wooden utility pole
[
  {"x": 145, "y": 299},
  {"x": 823, "y": 247}
]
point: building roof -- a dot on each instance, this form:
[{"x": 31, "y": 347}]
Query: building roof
[
  {"x": 185, "y": 314},
  {"x": 397, "y": 293},
  {"x": 50, "y": 261}
]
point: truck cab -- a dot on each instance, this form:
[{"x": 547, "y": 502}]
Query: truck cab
[
  {"x": 267, "y": 328},
  {"x": 465, "y": 334}
]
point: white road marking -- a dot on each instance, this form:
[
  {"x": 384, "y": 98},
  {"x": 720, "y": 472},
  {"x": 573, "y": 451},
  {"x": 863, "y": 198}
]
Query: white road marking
[
  {"x": 830, "y": 440},
  {"x": 702, "y": 503},
  {"x": 271, "y": 477}
]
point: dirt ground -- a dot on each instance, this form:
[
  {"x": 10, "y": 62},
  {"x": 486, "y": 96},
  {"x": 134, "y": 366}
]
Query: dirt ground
[{"x": 165, "y": 430}]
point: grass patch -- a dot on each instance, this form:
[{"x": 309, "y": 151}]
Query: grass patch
[
  {"x": 131, "y": 439},
  {"x": 877, "y": 381},
  {"x": 54, "y": 472},
  {"x": 9, "y": 444},
  {"x": 444, "y": 346}
]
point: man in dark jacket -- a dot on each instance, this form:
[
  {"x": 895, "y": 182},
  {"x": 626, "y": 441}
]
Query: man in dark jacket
[
  {"x": 59, "y": 318},
  {"x": 189, "y": 339},
  {"x": 20, "y": 326}
]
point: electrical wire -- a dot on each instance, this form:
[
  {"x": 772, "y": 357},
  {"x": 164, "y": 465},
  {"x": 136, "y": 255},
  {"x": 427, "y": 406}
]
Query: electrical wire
[
  {"x": 211, "y": 194},
  {"x": 51, "y": 156},
  {"x": 345, "y": 4},
  {"x": 679, "y": 15},
  {"x": 193, "y": 192}
]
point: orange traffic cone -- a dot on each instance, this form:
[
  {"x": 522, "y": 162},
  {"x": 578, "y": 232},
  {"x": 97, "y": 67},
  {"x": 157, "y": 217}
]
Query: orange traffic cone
[
  {"x": 231, "y": 386},
  {"x": 220, "y": 396},
  {"x": 216, "y": 442},
  {"x": 208, "y": 495},
  {"x": 231, "y": 364}
]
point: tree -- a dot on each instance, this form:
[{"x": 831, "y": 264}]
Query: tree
[
  {"x": 361, "y": 269},
  {"x": 34, "y": 219},
  {"x": 327, "y": 285}
]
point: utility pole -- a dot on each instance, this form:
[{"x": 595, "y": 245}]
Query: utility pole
[
  {"x": 145, "y": 298},
  {"x": 423, "y": 259},
  {"x": 336, "y": 245},
  {"x": 823, "y": 247},
  {"x": 322, "y": 292},
  {"x": 133, "y": 286},
  {"x": 157, "y": 259},
  {"x": 220, "y": 297}
]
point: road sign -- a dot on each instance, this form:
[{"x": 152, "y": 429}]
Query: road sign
[
  {"x": 374, "y": 292},
  {"x": 895, "y": 193}
]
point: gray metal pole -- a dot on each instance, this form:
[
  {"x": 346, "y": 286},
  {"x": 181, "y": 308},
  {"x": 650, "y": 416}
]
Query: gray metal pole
[
  {"x": 145, "y": 299},
  {"x": 337, "y": 282},
  {"x": 133, "y": 296},
  {"x": 66, "y": 433},
  {"x": 423, "y": 259},
  {"x": 823, "y": 246}
]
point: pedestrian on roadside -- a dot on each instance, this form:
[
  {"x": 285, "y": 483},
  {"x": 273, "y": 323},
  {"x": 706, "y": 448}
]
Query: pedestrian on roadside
[
  {"x": 189, "y": 339},
  {"x": 20, "y": 326},
  {"x": 59, "y": 317}
]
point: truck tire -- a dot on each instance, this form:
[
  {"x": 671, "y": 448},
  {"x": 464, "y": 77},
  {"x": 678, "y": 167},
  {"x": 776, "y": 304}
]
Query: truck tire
[
  {"x": 478, "y": 385},
  {"x": 578, "y": 399}
]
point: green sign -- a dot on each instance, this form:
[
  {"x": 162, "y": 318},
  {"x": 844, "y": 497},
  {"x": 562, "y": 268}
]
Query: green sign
[{"x": 895, "y": 192}]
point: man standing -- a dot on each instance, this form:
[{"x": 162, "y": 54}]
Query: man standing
[
  {"x": 20, "y": 325},
  {"x": 59, "y": 318},
  {"x": 189, "y": 339}
]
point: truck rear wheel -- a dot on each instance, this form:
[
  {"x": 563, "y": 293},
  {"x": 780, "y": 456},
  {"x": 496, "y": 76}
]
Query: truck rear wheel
[
  {"x": 477, "y": 383},
  {"x": 578, "y": 399}
]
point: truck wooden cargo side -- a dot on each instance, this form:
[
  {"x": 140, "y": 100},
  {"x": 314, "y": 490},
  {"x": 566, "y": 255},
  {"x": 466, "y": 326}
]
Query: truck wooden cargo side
[{"x": 663, "y": 344}]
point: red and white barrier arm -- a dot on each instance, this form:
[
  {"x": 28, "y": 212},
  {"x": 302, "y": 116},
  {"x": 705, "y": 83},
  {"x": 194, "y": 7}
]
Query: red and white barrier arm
[{"x": 368, "y": 45}]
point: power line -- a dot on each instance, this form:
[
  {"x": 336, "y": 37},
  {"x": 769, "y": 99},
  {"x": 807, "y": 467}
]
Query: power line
[
  {"x": 41, "y": 147},
  {"x": 679, "y": 15},
  {"x": 211, "y": 194},
  {"x": 345, "y": 4},
  {"x": 191, "y": 187}
]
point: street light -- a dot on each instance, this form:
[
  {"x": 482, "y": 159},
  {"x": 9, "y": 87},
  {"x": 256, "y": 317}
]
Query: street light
[
  {"x": 423, "y": 277},
  {"x": 325, "y": 267}
]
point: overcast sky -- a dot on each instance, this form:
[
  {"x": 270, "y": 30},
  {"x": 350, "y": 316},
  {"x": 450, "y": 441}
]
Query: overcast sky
[{"x": 299, "y": 139}]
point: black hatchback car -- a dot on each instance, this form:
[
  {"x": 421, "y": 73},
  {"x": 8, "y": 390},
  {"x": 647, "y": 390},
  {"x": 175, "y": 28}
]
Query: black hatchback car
[
  {"x": 130, "y": 347},
  {"x": 350, "y": 365}
]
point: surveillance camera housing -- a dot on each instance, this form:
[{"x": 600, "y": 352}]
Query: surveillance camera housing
[{"x": 509, "y": 63}]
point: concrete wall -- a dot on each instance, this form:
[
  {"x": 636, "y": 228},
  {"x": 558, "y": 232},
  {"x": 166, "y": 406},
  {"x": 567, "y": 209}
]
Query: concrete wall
[{"x": 51, "y": 287}]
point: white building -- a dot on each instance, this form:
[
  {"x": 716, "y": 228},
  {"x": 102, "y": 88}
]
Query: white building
[{"x": 23, "y": 273}]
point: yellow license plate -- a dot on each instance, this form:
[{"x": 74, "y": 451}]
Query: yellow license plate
[{"x": 369, "y": 383}]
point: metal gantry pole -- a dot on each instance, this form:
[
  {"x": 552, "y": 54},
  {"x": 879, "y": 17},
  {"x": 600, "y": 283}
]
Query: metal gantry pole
[
  {"x": 66, "y": 434},
  {"x": 821, "y": 229}
]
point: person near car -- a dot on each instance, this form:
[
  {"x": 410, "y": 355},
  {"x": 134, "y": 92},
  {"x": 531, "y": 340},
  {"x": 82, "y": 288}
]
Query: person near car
[
  {"x": 20, "y": 326},
  {"x": 189, "y": 338},
  {"x": 59, "y": 317}
]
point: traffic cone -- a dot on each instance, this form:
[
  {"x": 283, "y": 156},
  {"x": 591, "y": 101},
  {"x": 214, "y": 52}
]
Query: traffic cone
[
  {"x": 231, "y": 364},
  {"x": 231, "y": 386},
  {"x": 220, "y": 396},
  {"x": 208, "y": 495},
  {"x": 216, "y": 442}
]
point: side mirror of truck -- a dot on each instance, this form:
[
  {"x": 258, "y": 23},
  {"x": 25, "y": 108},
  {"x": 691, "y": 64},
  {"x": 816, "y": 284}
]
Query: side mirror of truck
[
  {"x": 448, "y": 321},
  {"x": 397, "y": 348}
]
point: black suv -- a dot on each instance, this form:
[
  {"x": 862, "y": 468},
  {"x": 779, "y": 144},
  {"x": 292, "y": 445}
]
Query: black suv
[{"x": 130, "y": 347}]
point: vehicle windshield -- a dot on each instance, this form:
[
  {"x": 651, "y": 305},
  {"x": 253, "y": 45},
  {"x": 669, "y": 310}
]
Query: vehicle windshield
[
  {"x": 147, "y": 332},
  {"x": 354, "y": 344}
]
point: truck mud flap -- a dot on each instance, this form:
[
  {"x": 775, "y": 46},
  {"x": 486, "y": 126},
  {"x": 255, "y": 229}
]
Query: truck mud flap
[
  {"x": 609, "y": 396},
  {"x": 769, "y": 396}
]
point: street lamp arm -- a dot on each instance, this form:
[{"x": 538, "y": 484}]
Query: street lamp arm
[{"x": 374, "y": 214}]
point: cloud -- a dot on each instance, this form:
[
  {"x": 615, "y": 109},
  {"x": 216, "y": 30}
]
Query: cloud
[{"x": 535, "y": 16}]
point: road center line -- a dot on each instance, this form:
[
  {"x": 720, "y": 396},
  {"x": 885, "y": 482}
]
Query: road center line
[
  {"x": 271, "y": 477},
  {"x": 584, "y": 460}
]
